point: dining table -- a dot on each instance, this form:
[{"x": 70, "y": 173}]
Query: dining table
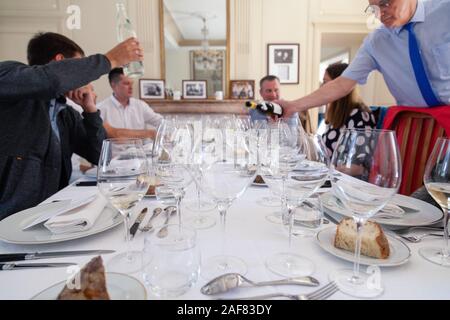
[{"x": 249, "y": 236}]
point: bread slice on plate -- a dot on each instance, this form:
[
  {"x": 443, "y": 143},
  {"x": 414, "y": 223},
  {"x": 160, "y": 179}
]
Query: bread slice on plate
[
  {"x": 374, "y": 242},
  {"x": 92, "y": 283}
]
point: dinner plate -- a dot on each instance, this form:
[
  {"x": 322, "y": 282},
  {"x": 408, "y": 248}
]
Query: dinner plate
[
  {"x": 399, "y": 252},
  {"x": 426, "y": 213},
  {"x": 120, "y": 287},
  {"x": 307, "y": 165},
  {"x": 11, "y": 227}
]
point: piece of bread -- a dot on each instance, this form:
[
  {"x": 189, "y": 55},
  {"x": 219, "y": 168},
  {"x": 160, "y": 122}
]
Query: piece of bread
[
  {"x": 374, "y": 242},
  {"x": 154, "y": 182},
  {"x": 92, "y": 283},
  {"x": 259, "y": 179}
]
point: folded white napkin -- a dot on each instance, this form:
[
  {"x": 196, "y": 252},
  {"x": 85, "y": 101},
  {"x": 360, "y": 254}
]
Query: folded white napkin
[{"x": 79, "y": 219}]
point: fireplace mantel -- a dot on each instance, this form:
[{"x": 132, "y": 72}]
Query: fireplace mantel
[{"x": 198, "y": 106}]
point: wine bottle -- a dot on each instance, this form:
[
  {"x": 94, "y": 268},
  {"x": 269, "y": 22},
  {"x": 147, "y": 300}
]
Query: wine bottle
[
  {"x": 134, "y": 69},
  {"x": 267, "y": 107}
]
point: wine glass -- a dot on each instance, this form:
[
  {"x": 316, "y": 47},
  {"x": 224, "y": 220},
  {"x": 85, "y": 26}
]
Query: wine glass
[
  {"x": 225, "y": 154},
  {"x": 172, "y": 150},
  {"x": 365, "y": 174},
  {"x": 123, "y": 178},
  {"x": 289, "y": 147},
  {"x": 437, "y": 182}
]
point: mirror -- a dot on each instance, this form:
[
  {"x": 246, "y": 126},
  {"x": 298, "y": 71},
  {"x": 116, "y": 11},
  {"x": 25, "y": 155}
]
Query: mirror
[{"x": 194, "y": 38}]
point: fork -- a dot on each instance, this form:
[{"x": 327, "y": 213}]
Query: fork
[
  {"x": 418, "y": 238},
  {"x": 320, "y": 294}
]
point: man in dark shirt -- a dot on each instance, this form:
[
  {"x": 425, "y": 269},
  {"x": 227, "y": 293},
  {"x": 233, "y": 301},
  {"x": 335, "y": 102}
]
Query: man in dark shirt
[{"x": 38, "y": 131}]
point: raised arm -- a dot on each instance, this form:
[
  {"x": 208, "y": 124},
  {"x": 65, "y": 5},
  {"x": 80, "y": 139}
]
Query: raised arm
[{"x": 330, "y": 92}]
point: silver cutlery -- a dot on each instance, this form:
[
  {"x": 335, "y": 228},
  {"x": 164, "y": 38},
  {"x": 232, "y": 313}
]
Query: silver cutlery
[
  {"x": 320, "y": 294},
  {"x": 149, "y": 225},
  {"x": 230, "y": 281},
  {"x": 17, "y": 266},
  {"x": 6, "y": 257},
  {"x": 418, "y": 238},
  {"x": 137, "y": 222},
  {"x": 170, "y": 211}
]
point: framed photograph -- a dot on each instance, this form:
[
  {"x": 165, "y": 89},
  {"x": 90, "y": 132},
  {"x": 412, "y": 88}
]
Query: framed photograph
[
  {"x": 195, "y": 89},
  {"x": 242, "y": 89},
  {"x": 151, "y": 89},
  {"x": 283, "y": 62}
]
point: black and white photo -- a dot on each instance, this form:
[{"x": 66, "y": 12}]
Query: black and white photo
[
  {"x": 283, "y": 61},
  {"x": 194, "y": 89},
  {"x": 151, "y": 89}
]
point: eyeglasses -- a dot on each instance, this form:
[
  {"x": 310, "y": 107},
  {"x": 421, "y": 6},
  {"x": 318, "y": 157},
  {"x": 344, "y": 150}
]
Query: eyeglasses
[{"x": 375, "y": 9}]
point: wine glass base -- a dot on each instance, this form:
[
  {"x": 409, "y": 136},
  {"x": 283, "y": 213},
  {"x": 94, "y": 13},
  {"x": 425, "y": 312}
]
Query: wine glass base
[
  {"x": 435, "y": 255},
  {"x": 270, "y": 202},
  {"x": 275, "y": 218},
  {"x": 127, "y": 263},
  {"x": 203, "y": 206},
  {"x": 361, "y": 287},
  {"x": 220, "y": 265},
  {"x": 290, "y": 265},
  {"x": 200, "y": 222}
]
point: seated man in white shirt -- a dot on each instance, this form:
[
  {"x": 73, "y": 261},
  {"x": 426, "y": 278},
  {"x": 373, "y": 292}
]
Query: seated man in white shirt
[{"x": 124, "y": 116}]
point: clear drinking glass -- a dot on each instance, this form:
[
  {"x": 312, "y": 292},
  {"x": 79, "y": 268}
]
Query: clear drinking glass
[
  {"x": 123, "y": 178},
  {"x": 365, "y": 174},
  {"x": 171, "y": 264},
  {"x": 224, "y": 154},
  {"x": 437, "y": 182},
  {"x": 289, "y": 146},
  {"x": 172, "y": 151}
]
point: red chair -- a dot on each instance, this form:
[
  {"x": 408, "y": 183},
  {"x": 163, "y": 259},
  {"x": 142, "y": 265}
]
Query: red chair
[{"x": 417, "y": 131}]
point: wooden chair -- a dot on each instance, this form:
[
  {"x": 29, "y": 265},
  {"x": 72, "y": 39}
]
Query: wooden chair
[{"x": 417, "y": 133}]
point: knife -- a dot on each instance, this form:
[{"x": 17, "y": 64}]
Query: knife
[
  {"x": 6, "y": 257},
  {"x": 15, "y": 266},
  {"x": 138, "y": 221}
]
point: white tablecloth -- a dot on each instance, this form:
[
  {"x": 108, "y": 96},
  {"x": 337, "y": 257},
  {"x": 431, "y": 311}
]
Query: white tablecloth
[{"x": 249, "y": 236}]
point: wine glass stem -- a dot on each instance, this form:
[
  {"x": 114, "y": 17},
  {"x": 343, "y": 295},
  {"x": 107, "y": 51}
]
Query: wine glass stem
[
  {"x": 223, "y": 215},
  {"x": 446, "y": 249},
  {"x": 291, "y": 223},
  {"x": 126, "y": 221},
  {"x": 359, "y": 225},
  {"x": 178, "y": 202}
]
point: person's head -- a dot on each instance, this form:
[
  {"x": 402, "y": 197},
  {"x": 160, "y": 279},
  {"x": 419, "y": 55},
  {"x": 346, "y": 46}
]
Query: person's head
[
  {"x": 121, "y": 85},
  {"x": 49, "y": 46},
  {"x": 394, "y": 13},
  {"x": 338, "y": 111},
  {"x": 269, "y": 88}
]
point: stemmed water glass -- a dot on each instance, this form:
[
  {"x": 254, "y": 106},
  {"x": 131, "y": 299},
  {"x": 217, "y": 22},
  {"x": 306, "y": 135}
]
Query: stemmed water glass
[
  {"x": 123, "y": 178},
  {"x": 289, "y": 147},
  {"x": 228, "y": 166},
  {"x": 437, "y": 182},
  {"x": 365, "y": 174},
  {"x": 171, "y": 156}
]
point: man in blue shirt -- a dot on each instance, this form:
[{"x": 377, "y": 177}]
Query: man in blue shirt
[
  {"x": 270, "y": 91},
  {"x": 388, "y": 50}
]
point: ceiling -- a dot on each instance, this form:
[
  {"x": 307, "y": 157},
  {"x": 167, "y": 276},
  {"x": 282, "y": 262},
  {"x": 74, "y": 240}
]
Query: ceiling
[{"x": 187, "y": 15}]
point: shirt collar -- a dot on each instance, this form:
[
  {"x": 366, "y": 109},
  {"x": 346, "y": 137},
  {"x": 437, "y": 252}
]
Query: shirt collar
[
  {"x": 419, "y": 16},
  {"x": 116, "y": 102}
]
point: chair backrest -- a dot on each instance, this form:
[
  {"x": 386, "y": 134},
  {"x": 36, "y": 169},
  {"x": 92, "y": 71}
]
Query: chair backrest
[{"x": 417, "y": 133}]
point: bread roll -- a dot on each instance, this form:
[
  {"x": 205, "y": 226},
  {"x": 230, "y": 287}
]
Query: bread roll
[{"x": 374, "y": 242}]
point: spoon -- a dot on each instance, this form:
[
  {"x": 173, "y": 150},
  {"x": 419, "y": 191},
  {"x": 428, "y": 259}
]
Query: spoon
[
  {"x": 149, "y": 226},
  {"x": 170, "y": 211},
  {"x": 229, "y": 281}
]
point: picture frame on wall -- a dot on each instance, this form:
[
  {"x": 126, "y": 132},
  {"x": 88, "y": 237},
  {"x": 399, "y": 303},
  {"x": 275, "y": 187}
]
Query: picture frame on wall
[
  {"x": 283, "y": 61},
  {"x": 195, "y": 89},
  {"x": 152, "y": 89},
  {"x": 242, "y": 89}
]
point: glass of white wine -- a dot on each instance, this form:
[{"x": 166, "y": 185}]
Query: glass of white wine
[
  {"x": 123, "y": 178},
  {"x": 437, "y": 182}
]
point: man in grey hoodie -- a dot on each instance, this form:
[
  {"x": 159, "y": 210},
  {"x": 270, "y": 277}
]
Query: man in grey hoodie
[{"x": 38, "y": 131}]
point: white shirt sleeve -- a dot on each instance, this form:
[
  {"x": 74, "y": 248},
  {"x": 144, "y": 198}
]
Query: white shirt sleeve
[
  {"x": 362, "y": 65},
  {"x": 151, "y": 117}
]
